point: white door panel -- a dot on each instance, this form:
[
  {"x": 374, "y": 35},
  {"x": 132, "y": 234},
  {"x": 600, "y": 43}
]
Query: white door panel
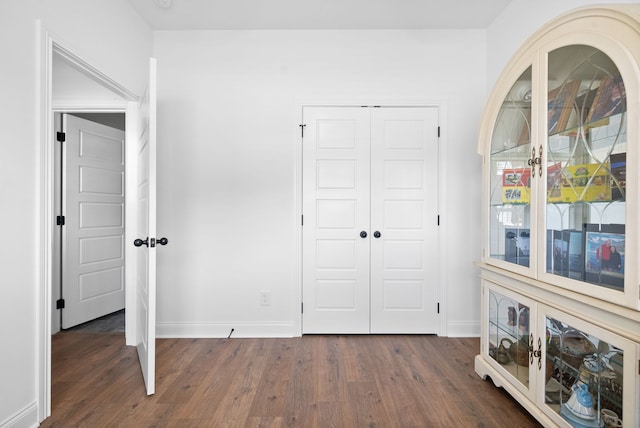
[
  {"x": 93, "y": 234},
  {"x": 336, "y": 210},
  {"x": 146, "y": 230},
  {"x": 405, "y": 258}
]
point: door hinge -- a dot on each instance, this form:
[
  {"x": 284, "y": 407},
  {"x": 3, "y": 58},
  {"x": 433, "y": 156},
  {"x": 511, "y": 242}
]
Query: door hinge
[
  {"x": 302, "y": 126},
  {"x": 302, "y": 308},
  {"x": 438, "y": 132},
  {"x": 60, "y": 304},
  {"x": 60, "y": 220},
  {"x": 302, "y": 220},
  {"x": 61, "y": 136},
  {"x": 438, "y": 308},
  {"x": 438, "y": 219}
]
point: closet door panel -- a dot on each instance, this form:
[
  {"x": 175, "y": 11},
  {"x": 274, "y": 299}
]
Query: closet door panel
[
  {"x": 336, "y": 210},
  {"x": 404, "y": 255}
]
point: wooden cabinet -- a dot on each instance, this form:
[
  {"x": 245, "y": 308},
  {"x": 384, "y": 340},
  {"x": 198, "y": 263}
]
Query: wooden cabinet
[{"x": 560, "y": 140}]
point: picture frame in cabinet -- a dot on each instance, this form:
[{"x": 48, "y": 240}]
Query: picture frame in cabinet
[
  {"x": 560, "y": 258},
  {"x": 576, "y": 253},
  {"x": 618, "y": 162},
  {"x": 604, "y": 255},
  {"x": 560, "y": 105},
  {"x": 516, "y": 246},
  {"x": 611, "y": 99},
  {"x": 565, "y": 255}
]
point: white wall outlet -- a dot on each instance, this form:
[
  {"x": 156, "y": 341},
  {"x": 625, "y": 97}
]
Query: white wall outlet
[{"x": 265, "y": 298}]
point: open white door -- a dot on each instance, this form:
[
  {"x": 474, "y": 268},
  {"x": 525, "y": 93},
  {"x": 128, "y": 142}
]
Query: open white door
[
  {"x": 146, "y": 229},
  {"x": 93, "y": 232}
]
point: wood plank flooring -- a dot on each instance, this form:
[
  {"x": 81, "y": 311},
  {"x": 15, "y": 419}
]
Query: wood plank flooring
[{"x": 310, "y": 381}]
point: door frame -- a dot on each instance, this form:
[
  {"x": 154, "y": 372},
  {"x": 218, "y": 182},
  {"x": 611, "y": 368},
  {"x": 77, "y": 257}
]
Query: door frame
[
  {"x": 124, "y": 101},
  {"x": 298, "y": 188}
]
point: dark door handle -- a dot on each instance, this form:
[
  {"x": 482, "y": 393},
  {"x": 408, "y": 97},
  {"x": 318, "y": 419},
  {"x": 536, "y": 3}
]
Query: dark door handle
[
  {"x": 140, "y": 242},
  {"x": 363, "y": 234},
  {"x": 377, "y": 234}
]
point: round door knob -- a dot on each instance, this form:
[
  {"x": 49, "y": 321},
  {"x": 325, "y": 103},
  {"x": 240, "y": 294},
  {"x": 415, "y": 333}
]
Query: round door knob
[
  {"x": 377, "y": 234},
  {"x": 363, "y": 234},
  {"x": 162, "y": 241},
  {"x": 140, "y": 242}
]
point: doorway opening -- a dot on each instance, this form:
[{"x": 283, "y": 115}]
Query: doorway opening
[{"x": 69, "y": 84}]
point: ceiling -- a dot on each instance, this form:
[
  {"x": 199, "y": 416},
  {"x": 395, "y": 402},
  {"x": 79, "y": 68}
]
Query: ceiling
[{"x": 317, "y": 14}]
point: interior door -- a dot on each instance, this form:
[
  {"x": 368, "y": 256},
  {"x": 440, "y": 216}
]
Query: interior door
[
  {"x": 93, "y": 232},
  {"x": 336, "y": 213},
  {"x": 146, "y": 229},
  {"x": 370, "y": 220},
  {"x": 404, "y": 220}
]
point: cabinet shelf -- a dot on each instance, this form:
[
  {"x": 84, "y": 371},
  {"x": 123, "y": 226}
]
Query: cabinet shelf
[{"x": 567, "y": 374}]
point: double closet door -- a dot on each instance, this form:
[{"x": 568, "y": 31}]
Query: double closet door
[{"x": 370, "y": 220}]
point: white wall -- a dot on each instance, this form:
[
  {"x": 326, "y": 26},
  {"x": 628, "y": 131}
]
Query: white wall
[
  {"x": 228, "y": 128},
  {"x": 108, "y": 34}
]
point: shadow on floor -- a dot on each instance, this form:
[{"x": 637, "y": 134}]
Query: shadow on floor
[{"x": 111, "y": 323}]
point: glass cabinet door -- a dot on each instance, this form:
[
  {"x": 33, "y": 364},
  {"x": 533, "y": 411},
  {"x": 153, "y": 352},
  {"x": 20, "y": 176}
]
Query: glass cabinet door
[
  {"x": 585, "y": 375},
  {"x": 510, "y": 175},
  {"x": 509, "y": 335},
  {"x": 586, "y": 167}
]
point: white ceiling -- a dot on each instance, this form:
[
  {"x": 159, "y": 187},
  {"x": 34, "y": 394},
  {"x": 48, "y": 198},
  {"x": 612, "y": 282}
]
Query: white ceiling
[{"x": 318, "y": 14}]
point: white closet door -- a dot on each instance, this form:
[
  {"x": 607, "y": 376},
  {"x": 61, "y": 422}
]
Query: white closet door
[
  {"x": 336, "y": 210},
  {"x": 404, "y": 185}
]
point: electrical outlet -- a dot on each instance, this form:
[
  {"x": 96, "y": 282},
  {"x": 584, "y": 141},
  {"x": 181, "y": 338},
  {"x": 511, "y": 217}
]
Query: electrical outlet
[{"x": 265, "y": 298}]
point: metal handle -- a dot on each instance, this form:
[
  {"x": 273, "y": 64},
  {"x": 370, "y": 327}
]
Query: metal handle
[
  {"x": 146, "y": 243},
  {"x": 539, "y": 162},
  {"x": 140, "y": 242},
  {"x": 535, "y": 160},
  {"x": 363, "y": 234},
  {"x": 532, "y": 162},
  {"x": 535, "y": 353},
  {"x": 377, "y": 234},
  {"x": 538, "y": 354}
]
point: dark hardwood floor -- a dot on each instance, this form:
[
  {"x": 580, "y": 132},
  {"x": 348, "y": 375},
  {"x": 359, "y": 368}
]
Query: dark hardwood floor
[{"x": 310, "y": 381}]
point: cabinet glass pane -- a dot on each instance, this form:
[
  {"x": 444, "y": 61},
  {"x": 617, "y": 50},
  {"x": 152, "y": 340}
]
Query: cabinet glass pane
[
  {"x": 510, "y": 176},
  {"x": 584, "y": 376},
  {"x": 586, "y": 167},
  {"x": 509, "y": 335}
]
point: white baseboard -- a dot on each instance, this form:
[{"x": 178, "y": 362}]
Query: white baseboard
[
  {"x": 463, "y": 329},
  {"x": 195, "y": 330},
  {"x": 208, "y": 330},
  {"x": 26, "y": 418}
]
